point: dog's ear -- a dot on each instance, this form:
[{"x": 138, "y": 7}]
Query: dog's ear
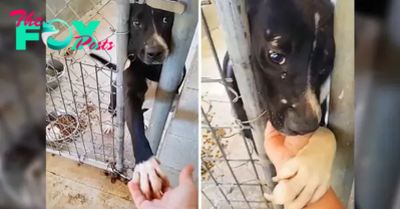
[{"x": 327, "y": 31}]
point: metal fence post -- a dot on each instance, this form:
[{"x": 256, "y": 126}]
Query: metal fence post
[
  {"x": 341, "y": 107},
  {"x": 233, "y": 17},
  {"x": 121, "y": 45},
  {"x": 182, "y": 34}
]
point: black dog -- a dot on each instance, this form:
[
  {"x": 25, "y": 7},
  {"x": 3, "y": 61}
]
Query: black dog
[
  {"x": 293, "y": 51},
  {"x": 149, "y": 44},
  {"x": 292, "y": 57}
]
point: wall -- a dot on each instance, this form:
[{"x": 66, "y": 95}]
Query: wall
[{"x": 179, "y": 148}]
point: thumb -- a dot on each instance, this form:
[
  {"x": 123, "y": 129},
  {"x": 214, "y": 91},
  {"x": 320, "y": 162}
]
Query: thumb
[
  {"x": 186, "y": 175},
  {"x": 270, "y": 130},
  {"x": 273, "y": 141},
  {"x": 137, "y": 196}
]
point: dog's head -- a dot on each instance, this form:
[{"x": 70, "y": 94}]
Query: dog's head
[
  {"x": 150, "y": 33},
  {"x": 292, "y": 54}
]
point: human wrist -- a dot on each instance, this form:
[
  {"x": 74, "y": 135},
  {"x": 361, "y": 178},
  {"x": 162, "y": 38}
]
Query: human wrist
[{"x": 328, "y": 200}]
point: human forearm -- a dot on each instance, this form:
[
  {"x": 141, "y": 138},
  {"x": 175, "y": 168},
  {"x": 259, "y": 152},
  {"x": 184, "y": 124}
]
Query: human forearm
[{"x": 328, "y": 201}]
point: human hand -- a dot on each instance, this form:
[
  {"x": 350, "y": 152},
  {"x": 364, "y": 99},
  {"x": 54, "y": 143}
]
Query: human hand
[
  {"x": 303, "y": 165},
  {"x": 184, "y": 196}
]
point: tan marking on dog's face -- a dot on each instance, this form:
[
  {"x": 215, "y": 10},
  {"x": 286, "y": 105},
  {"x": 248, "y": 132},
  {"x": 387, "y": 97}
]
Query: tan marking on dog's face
[
  {"x": 275, "y": 40},
  {"x": 310, "y": 96},
  {"x": 313, "y": 103},
  {"x": 160, "y": 40}
]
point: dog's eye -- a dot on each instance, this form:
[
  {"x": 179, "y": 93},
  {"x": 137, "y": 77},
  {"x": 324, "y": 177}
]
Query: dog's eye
[
  {"x": 136, "y": 23},
  {"x": 276, "y": 57},
  {"x": 165, "y": 20}
]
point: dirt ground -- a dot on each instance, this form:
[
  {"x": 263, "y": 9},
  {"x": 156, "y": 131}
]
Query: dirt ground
[{"x": 73, "y": 186}]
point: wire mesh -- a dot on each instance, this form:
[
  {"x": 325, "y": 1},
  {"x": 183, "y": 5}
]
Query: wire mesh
[
  {"x": 231, "y": 172},
  {"x": 78, "y": 91}
]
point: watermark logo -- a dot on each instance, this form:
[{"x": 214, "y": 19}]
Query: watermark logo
[
  {"x": 49, "y": 30},
  {"x": 85, "y": 33}
]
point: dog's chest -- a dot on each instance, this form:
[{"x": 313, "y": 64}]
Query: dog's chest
[{"x": 151, "y": 89}]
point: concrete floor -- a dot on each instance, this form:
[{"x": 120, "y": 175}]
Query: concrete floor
[{"x": 70, "y": 186}]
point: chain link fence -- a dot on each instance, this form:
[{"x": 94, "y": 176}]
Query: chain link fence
[
  {"x": 232, "y": 175},
  {"x": 78, "y": 90}
]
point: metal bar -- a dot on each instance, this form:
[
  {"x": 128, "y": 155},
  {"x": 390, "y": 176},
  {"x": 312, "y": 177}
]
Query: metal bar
[
  {"x": 209, "y": 200},
  {"x": 231, "y": 160},
  {"x": 377, "y": 93},
  {"x": 121, "y": 45},
  {"x": 216, "y": 183},
  {"x": 87, "y": 112},
  {"x": 215, "y": 80},
  {"x": 182, "y": 33},
  {"x": 99, "y": 108},
  {"x": 341, "y": 107},
  {"x": 233, "y": 184},
  {"x": 233, "y": 17},
  {"x": 203, "y": 126},
  {"x": 62, "y": 97},
  {"x": 81, "y": 159},
  {"x": 74, "y": 100}
]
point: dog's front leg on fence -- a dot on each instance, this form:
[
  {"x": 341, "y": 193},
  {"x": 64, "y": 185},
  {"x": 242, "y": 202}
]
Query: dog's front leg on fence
[{"x": 147, "y": 170}]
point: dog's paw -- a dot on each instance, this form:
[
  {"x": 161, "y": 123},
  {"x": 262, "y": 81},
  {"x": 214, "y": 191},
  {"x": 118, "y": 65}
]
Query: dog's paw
[
  {"x": 150, "y": 177},
  {"x": 108, "y": 129},
  {"x": 305, "y": 178}
]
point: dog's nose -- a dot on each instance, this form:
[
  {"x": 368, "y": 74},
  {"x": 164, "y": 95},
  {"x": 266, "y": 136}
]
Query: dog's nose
[
  {"x": 154, "y": 52},
  {"x": 301, "y": 124}
]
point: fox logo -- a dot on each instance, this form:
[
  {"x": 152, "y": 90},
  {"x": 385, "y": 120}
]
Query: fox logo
[{"x": 48, "y": 30}]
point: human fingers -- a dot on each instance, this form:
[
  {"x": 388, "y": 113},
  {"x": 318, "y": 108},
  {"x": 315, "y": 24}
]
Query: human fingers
[
  {"x": 270, "y": 131},
  {"x": 144, "y": 185},
  {"x": 155, "y": 184},
  {"x": 185, "y": 176},
  {"x": 136, "y": 177},
  {"x": 166, "y": 186},
  {"x": 137, "y": 196},
  {"x": 273, "y": 140}
]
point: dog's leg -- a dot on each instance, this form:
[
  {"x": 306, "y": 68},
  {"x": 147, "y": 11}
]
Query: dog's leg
[
  {"x": 147, "y": 171},
  {"x": 237, "y": 103},
  {"x": 109, "y": 128},
  {"x": 305, "y": 178}
]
